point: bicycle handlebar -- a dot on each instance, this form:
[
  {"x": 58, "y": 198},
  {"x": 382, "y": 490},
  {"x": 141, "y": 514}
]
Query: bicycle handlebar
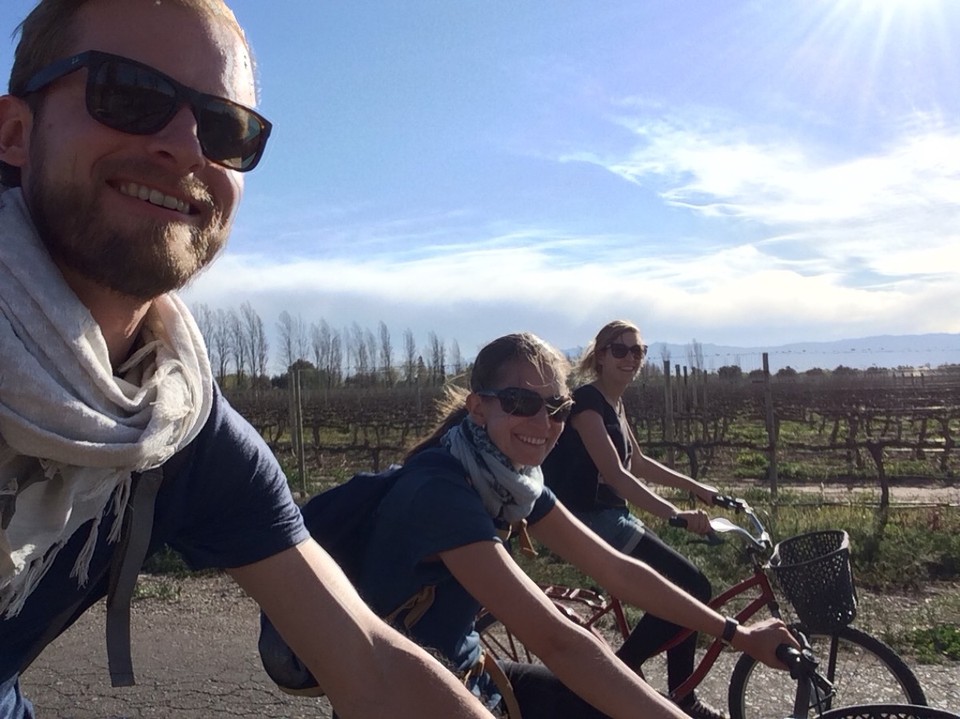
[
  {"x": 801, "y": 662},
  {"x": 738, "y": 505},
  {"x": 811, "y": 685},
  {"x": 720, "y": 525}
]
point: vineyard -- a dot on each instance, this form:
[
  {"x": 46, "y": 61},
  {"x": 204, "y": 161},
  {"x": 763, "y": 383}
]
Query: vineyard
[{"x": 875, "y": 428}]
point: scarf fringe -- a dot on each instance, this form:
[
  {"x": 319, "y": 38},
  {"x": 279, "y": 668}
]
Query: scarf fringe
[{"x": 72, "y": 428}]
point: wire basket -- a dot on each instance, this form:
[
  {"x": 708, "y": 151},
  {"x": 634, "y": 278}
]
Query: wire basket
[
  {"x": 889, "y": 711},
  {"x": 814, "y": 573}
]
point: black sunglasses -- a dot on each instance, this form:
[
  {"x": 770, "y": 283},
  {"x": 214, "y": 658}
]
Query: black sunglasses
[
  {"x": 619, "y": 350},
  {"x": 522, "y": 402},
  {"x": 131, "y": 97}
]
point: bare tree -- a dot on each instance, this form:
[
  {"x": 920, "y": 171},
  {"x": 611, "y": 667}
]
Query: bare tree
[
  {"x": 207, "y": 324},
  {"x": 456, "y": 359},
  {"x": 386, "y": 354},
  {"x": 320, "y": 339},
  {"x": 294, "y": 344},
  {"x": 436, "y": 352},
  {"x": 286, "y": 333},
  {"x": 371, "y": 342},
  {"x": 695, "y": 355},
  {"x": 357, "y": 348},
  {"x": 335, "y": 366},
  {"x": 256, "y": 340},
  {"x": 238, "y": 348},
  {"x": 665, "y": 355},
  {"x": 301, "y": 342},
  {"x": 220, "y": 344},
  {"x": 409, "y": 357}
]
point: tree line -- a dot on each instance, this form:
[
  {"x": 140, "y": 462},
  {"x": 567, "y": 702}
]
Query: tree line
[
  {"x": 324, "y": 356},
  {"x": 327, "y": 357}
]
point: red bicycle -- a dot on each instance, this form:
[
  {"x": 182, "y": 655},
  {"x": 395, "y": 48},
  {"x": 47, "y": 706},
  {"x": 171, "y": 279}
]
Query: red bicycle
[{"x": 813, "y": 573}]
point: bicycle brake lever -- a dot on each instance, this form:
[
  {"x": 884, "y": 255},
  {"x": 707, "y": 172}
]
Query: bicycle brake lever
[
  {"x": 722, "y": 524},
  {"x": 711, "y": 539}
]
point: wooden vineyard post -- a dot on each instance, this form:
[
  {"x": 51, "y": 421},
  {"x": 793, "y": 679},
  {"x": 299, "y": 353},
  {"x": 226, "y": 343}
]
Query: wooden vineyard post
[
  {"x": 667, "y": 411},
  {"x": 296, "y": 429},
  {"x": 771, "y": 427}
]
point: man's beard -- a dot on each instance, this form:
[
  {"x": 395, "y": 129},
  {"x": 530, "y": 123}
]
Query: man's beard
[{"x": 143, "y": 263}]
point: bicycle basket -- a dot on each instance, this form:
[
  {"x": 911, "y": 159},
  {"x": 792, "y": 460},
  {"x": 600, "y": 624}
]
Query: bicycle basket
[
  {"x": 814, "y": 573},
  {"x": 889, "y": 711}
]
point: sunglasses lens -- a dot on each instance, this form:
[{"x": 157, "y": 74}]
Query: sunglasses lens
[
  {"x": 130, "y": 98},
  {"x": 141, "y": 101},
  {"x": 229, "y": 134},
  {"x": 619, "y": 351},
  {"x": 521, "y": 402}
]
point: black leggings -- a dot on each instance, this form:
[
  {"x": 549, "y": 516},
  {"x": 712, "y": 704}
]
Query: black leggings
[
  {"x": 542, "y": 696},
  {"x": 651, "y": 632}
]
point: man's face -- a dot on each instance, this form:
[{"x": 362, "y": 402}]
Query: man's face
[{"x": 138, "y": 214}]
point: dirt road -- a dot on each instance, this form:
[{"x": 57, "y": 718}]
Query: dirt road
[
  {"x": 195, "y": 655},
  {"x": 194, "y": 645}
]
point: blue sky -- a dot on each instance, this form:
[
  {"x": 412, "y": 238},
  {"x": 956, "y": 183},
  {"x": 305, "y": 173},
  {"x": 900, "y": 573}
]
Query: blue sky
[{"x": 744, "y": 172}]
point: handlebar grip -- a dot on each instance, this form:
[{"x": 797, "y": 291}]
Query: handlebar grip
[
  {"x": 801, "y": 663},
  {"x": 722, "y": 500},
  {"x": 677, "y": 521}
]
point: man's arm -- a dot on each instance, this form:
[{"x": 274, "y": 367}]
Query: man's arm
[{"x": 365, "y": 667}]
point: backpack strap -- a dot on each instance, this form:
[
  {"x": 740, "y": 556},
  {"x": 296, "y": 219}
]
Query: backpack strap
[
  {"x": 414, "y": 608},
  {"x": 487, "y": 663},
  {"x": 124, "y": 570},
  {"x": 127, "y": 560}
]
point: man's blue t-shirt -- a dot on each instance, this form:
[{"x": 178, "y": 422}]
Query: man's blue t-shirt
[
  {"x": 429, "y": 511},
  {"x": 228, "y": 506}
]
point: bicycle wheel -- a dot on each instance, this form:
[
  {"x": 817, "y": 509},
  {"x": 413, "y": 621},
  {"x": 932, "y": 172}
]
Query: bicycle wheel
[
  {"x": 500, "y": 642},
  {"x": 862, "y": 669}
]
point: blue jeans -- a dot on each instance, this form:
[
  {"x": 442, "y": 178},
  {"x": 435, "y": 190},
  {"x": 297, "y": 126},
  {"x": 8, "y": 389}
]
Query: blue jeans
[
  {"x": 616, "y": 525},
  {"x": 13, "y": 705}
]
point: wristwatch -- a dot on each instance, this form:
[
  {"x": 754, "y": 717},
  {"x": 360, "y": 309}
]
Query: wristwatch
[{"x": 729, "y": 630}]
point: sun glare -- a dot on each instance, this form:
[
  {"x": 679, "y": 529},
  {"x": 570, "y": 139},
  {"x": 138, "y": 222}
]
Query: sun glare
[{"x": 869, "y": 51}]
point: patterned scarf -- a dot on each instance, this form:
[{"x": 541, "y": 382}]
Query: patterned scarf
[
  {"x": 71, "y": 429},
  {"x": 506, "y": 493}
]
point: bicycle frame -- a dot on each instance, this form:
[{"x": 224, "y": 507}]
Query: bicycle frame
[
  {"x": 766, "y": 598},
  {"x": 755, "y": 547}
]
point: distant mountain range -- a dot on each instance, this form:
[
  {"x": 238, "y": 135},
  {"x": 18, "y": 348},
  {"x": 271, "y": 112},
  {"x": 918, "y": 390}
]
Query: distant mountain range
[{"x": 890, "y": 351}]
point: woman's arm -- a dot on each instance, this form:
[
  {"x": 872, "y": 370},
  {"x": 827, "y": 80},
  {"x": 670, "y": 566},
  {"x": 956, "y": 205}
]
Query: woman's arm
[
  {"x": 653, "y": 471},
  {"x": 636, "y": 583},
  {"x": 365, "y": 667},
  {"x": 593, "y": 433},
  {"x": 581, "y": 661}
]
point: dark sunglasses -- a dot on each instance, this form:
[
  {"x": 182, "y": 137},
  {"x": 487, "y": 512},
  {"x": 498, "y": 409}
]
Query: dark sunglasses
[
  {"x": 619, "y": 350},
  {"x": 131, "y": 97},
  {"x": 522, "y": 402}
]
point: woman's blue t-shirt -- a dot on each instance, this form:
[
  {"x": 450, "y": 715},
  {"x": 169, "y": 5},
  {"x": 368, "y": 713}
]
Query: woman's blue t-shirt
[{"x": 431, "y": 510}]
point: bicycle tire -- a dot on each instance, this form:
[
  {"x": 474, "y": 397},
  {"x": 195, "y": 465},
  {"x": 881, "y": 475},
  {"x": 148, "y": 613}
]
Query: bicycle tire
[
  {"x": 866, "y": 671},
  {"x": 889, "y": 711}
]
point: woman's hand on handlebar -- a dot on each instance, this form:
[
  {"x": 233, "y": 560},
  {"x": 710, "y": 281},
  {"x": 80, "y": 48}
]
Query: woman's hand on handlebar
[
  {"x": 705, "y": 493},
  {"x": 761, "y": 639},
  {"x": 695, "y": 520}
]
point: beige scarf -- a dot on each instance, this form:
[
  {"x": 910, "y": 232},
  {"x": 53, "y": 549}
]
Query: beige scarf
[{"x": 72, "y": 430}]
